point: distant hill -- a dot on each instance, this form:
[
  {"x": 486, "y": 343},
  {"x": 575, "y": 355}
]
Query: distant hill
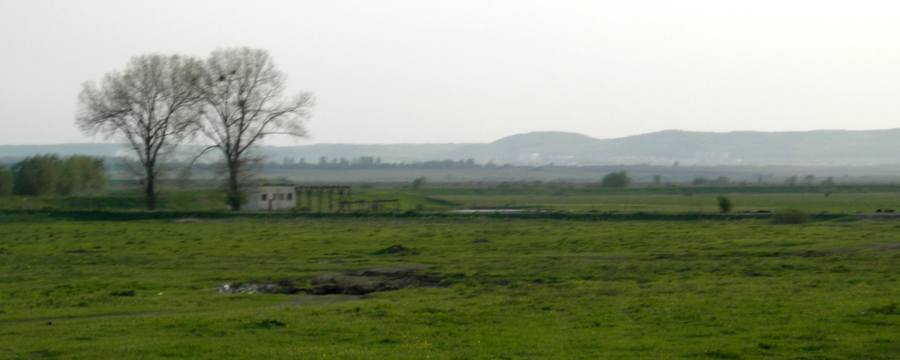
[{"x": 821, "y": 147}]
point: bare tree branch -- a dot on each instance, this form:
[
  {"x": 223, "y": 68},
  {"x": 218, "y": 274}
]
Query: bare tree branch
[
  {"x": 242, "y": 93},
  {"x": 152, "y": 104}
]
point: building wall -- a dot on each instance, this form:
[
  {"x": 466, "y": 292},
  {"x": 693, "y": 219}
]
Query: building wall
[{"x": 271, "y": 198}]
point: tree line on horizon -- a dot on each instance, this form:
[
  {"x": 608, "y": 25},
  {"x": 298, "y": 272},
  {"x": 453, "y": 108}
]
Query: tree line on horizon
[
  {"x": 50, "y": 174},
  {"x": 232, "y": 99}
]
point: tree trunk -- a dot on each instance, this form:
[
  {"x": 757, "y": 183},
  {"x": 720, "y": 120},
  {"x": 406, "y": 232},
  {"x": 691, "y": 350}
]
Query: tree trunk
[
  {"x": 234, "y": 193},
  {"x": 150, "y": 189}
]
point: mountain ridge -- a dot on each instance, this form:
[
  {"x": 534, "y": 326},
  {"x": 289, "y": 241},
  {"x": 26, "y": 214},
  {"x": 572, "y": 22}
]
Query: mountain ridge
[{"x": 813, "y": 147}]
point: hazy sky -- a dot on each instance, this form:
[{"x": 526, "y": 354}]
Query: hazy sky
[{"x": 466, "y": 71}]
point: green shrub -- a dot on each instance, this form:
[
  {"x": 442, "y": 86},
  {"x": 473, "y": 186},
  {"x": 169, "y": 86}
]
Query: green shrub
[
  {"x": 239, "y": 198},
  {"x": 792, "y": 216},
  {"x": 616, "y": 179},
  {"x": 6, "y": 181},
  {"x": 48, "y": 174},
  {"x": 80, "y": 174},
  {"x": 36, "y": 175},
  {"x": 725, "y": 204},
  {"x": 418, "y": 182}
]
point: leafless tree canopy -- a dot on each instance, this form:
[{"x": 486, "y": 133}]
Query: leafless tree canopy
[
  {"x": 235, "y": 99},
  {"x": 244, "y": 103},
  {"x": 152, "y": 104}
]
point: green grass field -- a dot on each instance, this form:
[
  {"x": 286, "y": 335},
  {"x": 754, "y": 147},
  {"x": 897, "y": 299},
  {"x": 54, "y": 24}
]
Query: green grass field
[
  {"x": 93, "y": 276},
  {"x": 669, "y": 203},
  {"x": 510, "y": 288}
]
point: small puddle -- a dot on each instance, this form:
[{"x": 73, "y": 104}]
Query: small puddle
[{"x": 491, "y": 211}]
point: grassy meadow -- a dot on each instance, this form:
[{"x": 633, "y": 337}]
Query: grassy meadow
[{"x": 77, "y": 286}]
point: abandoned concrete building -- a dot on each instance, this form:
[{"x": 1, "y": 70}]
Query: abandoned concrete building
[
  {"x": 318, "y": 198},
  {"x": 271, "y": 198}
]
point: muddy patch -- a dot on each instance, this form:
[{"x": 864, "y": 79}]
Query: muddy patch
[
  {"x": 351, "y": 283},
  {"x": 887, "y": 216},
  {"x": 365, "y": 281},
  {"x": 811, "y": 254},
  {"x": 122, "y": 293},
  {"x": 83, "y": 251},
  {"x": 277, "y": 287},
  {"x": 267, "y": 324},
  {"x": 188, "y": 221},
  {"x": 396, "y": 250},
  {"x": 886, "y": 247}
]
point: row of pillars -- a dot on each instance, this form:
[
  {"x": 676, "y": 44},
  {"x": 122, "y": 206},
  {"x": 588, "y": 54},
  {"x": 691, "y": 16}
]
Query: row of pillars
[{"x": 331, "y": 193}]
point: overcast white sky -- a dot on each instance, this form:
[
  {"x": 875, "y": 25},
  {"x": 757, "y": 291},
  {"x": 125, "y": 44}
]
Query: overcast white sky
[{"x": 472, "y": 71}]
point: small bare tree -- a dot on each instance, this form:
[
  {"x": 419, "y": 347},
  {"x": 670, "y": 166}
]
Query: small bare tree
[
  {"x": 152, "y": 104},
  {"x": 244, "y": 103}
]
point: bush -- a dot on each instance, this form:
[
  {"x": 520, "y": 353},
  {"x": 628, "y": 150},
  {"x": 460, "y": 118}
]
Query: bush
[
  {"x": 6, "y": 181},
  {"x": 79, "y": 173},
  {"x": 724, "y": 203},
  {"x": 792, "y": 216},
  {"x": 616, "y": 179},
  {"x": 47, "y": 174},
  {"x": 240, "y": 198},
  {"x": 36, "y": 175},
  {"x": 418, "y": 182}
]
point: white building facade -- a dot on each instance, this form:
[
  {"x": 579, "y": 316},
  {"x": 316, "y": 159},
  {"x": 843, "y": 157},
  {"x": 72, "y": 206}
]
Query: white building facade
[{"x": 271, "y": 198}]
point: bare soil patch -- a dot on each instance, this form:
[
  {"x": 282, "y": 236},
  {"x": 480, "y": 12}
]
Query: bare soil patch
[
  {"x": 396, "y": 250},
  {"x": 360, "y": 282},
  {"x": 277, "y": 287},
  {"x": 351, "y": 282}
]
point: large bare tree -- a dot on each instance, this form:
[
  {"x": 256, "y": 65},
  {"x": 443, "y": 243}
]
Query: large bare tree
[
  {"x": 244, "y": 103},
  {"x": 153, "y": 104}
]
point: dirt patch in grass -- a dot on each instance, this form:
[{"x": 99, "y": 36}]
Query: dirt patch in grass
[
  {"x": 396, "y": 250},
  {"x": 276, "y": 287},
  {"x": 267, "y": 324},
  {"x": 887, "y": 247},
  {"x": 188, "y": 221},
  {"x": 352, "y": 282},
  {"x": 83, "y": 251},
  {"x": 365, "y": 281},
  {"x": 811, "y": 254}
]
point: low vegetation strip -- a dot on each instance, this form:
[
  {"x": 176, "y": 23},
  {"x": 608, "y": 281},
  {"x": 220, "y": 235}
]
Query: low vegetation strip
[{"x": 189, "y": 216}]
